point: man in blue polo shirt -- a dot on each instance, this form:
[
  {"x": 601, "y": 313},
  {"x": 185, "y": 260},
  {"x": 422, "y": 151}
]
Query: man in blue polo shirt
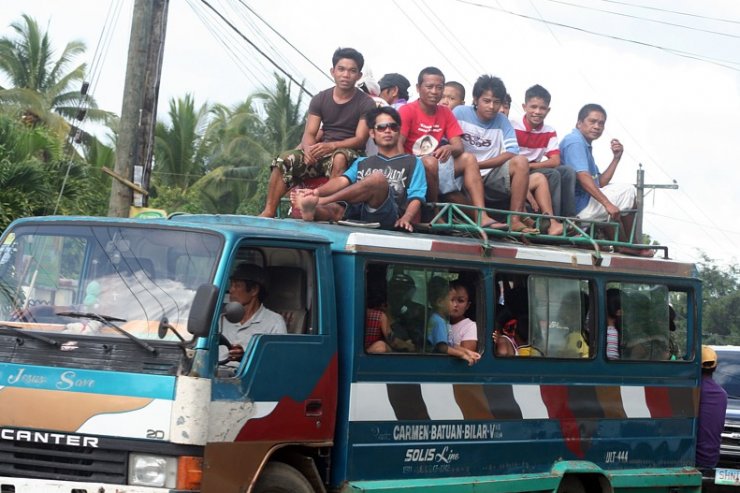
[{"x": 597, "y": 199}]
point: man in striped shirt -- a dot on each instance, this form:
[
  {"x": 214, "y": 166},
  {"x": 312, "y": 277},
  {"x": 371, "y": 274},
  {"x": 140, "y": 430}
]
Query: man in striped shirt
[{"x": 538, "y": 142}]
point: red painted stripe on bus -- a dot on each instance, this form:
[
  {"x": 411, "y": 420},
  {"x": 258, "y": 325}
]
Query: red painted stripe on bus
[
  {"x": 289, "y": 422},
  {"x": 658, "y": 401},
  {"x": 555, "y": 398}
]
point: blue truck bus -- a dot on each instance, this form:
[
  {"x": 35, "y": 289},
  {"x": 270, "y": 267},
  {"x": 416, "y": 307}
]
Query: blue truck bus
[{"x": 110, "y": 379}]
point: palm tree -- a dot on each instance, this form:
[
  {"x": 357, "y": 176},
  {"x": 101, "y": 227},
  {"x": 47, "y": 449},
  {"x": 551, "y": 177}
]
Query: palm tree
[
  {"x": 41, "y": 87},
  {"x": 249, "y": 143},
  {"x": 178, "y": 149}
]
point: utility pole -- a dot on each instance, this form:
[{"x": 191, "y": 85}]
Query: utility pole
[
  {"x": 139, "y": 109},
  {"x": 640, "y": 199}
]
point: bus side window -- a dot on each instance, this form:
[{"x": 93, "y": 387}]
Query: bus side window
[
  {"x": 407, "y": 309},
  {"x": 552, "y": 316},
  {"x": 643, "y": 322}
]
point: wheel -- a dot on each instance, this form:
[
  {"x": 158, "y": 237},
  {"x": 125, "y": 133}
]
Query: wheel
[
  {"x": 571, "y": 484},
  {"x": 278, "y": 477}
]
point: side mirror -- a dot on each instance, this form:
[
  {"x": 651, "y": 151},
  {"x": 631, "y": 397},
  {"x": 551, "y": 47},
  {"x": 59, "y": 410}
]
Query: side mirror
[
  {"x": 202, "y": 310},
  {"x": 233, "y": 312}
]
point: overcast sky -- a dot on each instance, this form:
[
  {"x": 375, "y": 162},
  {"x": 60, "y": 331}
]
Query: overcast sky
[{"x": 668, "y": 74}]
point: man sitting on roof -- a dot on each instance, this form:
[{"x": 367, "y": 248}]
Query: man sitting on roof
[
  {"x": 597, "y": 199},
  {"x": 387, "y": 188},
  {"x": 336, "y": 113}
]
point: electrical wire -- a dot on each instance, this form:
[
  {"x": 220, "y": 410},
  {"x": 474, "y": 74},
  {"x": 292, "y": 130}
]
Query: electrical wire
[
  {"x": 708, "y": 230},
  {"x": 426, "y": 36},
  {"x": 669, "y": 11},
  {"x": 260, "y": 51},
  {"x": 672, "y": 24},
  {"x": 442, "y": 29},
  {"x": 693, "y": 56},
  {"x": 322, "y": 71}
]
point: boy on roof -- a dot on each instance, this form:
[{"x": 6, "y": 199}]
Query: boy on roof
[
  {"x": 505, "y": 173},
  {"x": 538, "y": 142}
]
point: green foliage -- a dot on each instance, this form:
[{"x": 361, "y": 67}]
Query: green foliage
[
  {"x": 230, "y": 157},
  {"x": 45, "y": 89},
  {"x": 179, "y": 152},
  {"x": 721, "y": 302}
]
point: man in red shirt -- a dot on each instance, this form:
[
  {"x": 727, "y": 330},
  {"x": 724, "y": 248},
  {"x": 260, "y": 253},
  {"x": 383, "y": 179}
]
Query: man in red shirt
[{"x": 431, "y": 132}]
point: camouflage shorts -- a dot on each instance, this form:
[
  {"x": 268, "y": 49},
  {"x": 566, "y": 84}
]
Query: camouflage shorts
[{"x": 294, "y": 170}]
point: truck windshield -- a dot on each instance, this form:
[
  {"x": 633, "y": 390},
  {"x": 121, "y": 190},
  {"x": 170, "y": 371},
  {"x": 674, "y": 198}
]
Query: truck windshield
[{"x": 138, "y": 274}]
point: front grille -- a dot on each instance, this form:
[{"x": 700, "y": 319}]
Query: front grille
[
  {"x": 64, "y": 463},
  {"x": 730, "y": 447}
]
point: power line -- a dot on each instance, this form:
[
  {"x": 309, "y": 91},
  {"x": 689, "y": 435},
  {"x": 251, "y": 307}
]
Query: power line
[
  {"x": 323, "y": 72},
  {"x": 442, "y": 28},
  {"x": 698, "y": 16},
  {"x": 595, "y": 9},
  {"x": 684, "y": 54},
  {"x": 277, "y": 66},
  {"x": 221, "y": 37},
  {"x": 426, "y": 36}
]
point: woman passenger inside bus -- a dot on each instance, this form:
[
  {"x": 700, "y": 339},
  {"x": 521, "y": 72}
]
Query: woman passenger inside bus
[{"x": 438, "y": 327}]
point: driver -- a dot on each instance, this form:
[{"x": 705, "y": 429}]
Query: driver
[{"x": 248, "y": 286}]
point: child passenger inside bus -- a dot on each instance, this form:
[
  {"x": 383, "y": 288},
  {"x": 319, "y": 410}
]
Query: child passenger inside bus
[
  {"x": 438, "y": 327},
  {"x": 464, "y": 332},
  {"x": 510, "y": 337}
]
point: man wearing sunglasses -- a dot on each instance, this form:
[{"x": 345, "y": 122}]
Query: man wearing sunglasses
[{"x": 388, "y": 188}]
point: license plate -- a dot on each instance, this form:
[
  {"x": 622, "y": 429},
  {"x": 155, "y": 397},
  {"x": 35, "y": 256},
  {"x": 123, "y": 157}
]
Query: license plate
[{"x": 727, "y": 476}]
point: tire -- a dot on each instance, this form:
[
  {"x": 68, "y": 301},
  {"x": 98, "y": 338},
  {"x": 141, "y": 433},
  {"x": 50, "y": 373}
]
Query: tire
[
  {"x": 571, "y": 484},
  {"x": 278, "y": 477}
]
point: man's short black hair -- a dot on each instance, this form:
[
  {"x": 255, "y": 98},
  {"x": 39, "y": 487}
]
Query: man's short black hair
[
  {"x": 372, "y": 115},
  {"x": 395, "y": 80},
  {"x": 537, "y": 91},
  {"x": 459, "y": 87},
  {"x": 489, "y": 83},
  {"x": 507, "y": 100},
  {"x": 587, "y": 109},
  {"x": 350, "y": 53},
  {"x": 429, "y": 71}
]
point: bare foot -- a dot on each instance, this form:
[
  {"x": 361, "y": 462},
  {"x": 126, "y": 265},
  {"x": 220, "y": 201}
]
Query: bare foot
[
  {"x": 307, "y": 204},
  {"x": 556, "y": 228},
  {"x": 266, "y": 213},
  {"x": 520, "y": 227},
  {"x": 637, "y": 252}
]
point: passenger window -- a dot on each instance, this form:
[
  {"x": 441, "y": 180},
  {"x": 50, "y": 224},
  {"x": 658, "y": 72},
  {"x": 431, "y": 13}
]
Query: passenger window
[
  {"x": 646, "y": 322},
  {"x": 542, "y": 316},
  {"x": 421, "y": 310}
]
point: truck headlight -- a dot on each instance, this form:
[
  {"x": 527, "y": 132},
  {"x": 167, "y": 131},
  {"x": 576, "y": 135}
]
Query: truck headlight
[{"x": 152, "y": 470}]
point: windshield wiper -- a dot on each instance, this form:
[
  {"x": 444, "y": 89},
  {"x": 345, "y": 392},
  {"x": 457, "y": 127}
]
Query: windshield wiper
[
  {"x": 32, "y": 335},
  {"x": 107, "y": 320}
]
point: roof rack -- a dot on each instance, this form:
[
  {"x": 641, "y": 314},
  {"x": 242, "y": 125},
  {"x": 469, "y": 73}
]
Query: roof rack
[{"x": 458, "y": 219}]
